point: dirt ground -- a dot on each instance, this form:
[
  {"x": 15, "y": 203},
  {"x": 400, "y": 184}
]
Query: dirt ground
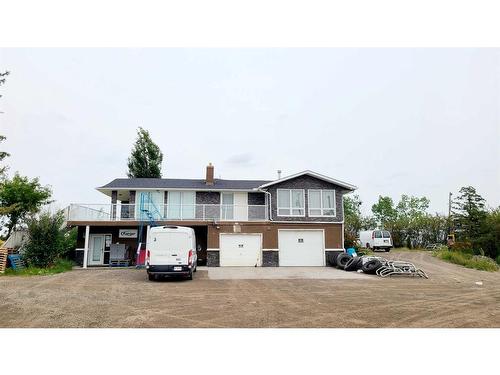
[{"x": 124, "y": 298}]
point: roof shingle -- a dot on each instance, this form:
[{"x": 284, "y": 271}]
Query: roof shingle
[{"x": 180, "y": 183}]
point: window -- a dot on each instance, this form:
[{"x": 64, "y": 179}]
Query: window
[
  {"x": 181, "y": 205},
  {"x": 378, "y": 234},
  {"x": 321, "y": 202},
  {"x": 291, "y": 202},
  {"x": 227, "y": 206},
  {"x": 386, "y": 234}
]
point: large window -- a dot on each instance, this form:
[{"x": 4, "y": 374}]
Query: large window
[
  {"x": 181, "y": 205},
  {"x": 321, "y": 202},
  {"x": 291, "y": 202},
  {"x": 227, "y": 206}
]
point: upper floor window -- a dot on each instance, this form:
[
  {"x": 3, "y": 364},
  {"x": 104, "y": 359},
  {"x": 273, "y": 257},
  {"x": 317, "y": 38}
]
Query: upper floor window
[
  {"x": 227, "y": 206},
  {"x": 321, "y": 202},
  {"x": 291, "y": 202},
  {"x": 181, "y": 205}
]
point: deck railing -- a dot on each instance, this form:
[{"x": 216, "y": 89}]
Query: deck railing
[{"x": 171, "y": 212}]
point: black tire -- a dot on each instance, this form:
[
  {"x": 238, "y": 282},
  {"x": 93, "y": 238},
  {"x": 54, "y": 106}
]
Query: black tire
[
  {"x": 195, "y": 268},
  {"x": 151, "y": 277},
  {"x": 332, "y": 259},
  {"x": 190, "y": 277},
  {"x": 371, "y": 266},
  {"x": 359, "y": 263},
  {"x": 367, "y": 245},
  {"x": 351, "y": 264},
  {"x": 388, "y": 249},
  {"x": 342, "y": 260}
]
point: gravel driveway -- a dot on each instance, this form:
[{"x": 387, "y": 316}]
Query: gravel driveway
[{"x": 124, "y": 298}]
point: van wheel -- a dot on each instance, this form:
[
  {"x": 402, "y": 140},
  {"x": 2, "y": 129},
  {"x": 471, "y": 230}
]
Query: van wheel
[
  {"x": 195, "y": 268},
  {"x": 367, "y": 245},
  {"x": 388, "y": 249},
  {"x": 190, "y": 277},
  {"x": 151, "y": 277}
]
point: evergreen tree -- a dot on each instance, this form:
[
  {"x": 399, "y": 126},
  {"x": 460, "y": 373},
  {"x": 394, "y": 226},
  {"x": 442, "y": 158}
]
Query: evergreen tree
[
  {"x": 146, "y": 157},
  {"x": 468, "y": 213}
]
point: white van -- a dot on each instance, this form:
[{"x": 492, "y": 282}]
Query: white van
[
  {"x": 376, "y": 239},
  {"x": 171, "y": 251}
]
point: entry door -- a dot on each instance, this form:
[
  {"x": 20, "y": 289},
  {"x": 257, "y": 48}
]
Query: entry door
[{"x": 96, "y": 250}]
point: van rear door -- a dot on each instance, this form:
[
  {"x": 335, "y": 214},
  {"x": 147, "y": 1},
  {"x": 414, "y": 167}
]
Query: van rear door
[
  {"x": 169, "y": 248},
  {"x": 387, "y": 238}
]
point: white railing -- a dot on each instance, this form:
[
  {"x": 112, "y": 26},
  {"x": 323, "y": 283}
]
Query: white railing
[{"x": 194, "y": 212}]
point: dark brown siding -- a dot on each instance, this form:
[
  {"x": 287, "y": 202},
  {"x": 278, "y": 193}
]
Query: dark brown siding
[{"x": 333, "y": 233}]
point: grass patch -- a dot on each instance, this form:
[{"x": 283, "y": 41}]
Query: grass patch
[
  {"x": 62, "y": 265},
  {"x": 467, "y": 260}
]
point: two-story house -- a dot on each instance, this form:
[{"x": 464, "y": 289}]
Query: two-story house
[{"x": 291, "y": 221}]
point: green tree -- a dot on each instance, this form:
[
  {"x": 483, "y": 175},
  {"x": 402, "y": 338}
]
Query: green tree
[
  {"x": 384, "y": 211},
  {"x": 2, "y": 79},
  {"x": 410, "y": 214},
  {"x": 489, "y": 239},
  {"x": 48, "y": 240},
  {"x": 469, "y": 213},
  {"x": 146, "y": 157},
  {"x": 352, "y": 219},
  {"x": 21, "y": 197},
  {"x": 3, "y": 155}
]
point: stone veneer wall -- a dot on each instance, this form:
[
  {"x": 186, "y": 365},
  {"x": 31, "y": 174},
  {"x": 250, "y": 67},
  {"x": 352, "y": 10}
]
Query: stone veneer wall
[
  {"x": 270, "y": 258},
  {"x": 213, "y": 259}
]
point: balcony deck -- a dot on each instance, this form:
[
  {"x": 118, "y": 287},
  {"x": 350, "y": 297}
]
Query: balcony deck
[{"x": 118, "y": 212}]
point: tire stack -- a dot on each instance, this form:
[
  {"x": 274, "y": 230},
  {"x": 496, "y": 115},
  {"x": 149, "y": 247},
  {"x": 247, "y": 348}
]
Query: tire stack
[{"x": 348, "y": 263}]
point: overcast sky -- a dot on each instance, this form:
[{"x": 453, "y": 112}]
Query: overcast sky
[{"x": 391, "y": 121}]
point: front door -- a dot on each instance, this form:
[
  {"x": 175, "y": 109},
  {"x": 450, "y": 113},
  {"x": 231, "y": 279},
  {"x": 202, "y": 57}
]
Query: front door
[{"x": 96, "y": 250}]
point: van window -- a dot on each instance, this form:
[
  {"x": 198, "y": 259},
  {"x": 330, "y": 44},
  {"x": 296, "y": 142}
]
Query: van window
[
  {"x": 378, "y": 234},
  {"x": 386, "y": 234}
]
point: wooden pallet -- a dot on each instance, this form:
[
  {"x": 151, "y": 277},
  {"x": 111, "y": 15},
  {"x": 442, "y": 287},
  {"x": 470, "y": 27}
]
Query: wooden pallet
[
  {"x": 16, "y": 262},
  {"x": 3, "y": 260}
]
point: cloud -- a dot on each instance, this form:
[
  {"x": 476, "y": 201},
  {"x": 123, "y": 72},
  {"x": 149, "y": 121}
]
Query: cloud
[{"x": 245, "y": 159}]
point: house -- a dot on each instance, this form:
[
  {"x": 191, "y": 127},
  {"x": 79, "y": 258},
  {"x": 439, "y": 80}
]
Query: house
[{"x": 292, "y": 221}]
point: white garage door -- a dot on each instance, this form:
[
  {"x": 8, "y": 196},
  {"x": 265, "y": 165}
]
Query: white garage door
[
  {"x": 240, "y": 250},
  {"x": 301, "y": 248}
]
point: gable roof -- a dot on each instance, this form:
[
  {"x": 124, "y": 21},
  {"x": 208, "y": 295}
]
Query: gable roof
[
  {"x": 181, "y": 183},
  {"x": 312, "y": 174}
]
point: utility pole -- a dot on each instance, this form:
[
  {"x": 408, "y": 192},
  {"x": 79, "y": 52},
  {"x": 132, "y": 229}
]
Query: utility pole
[
  {"x": 449, "y": 205},
  {"x": 451, "y": 236}
]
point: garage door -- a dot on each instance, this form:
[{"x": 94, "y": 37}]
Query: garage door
[
  {"x": 301, "y": 248},
  {"x": 240, "y": 250}
]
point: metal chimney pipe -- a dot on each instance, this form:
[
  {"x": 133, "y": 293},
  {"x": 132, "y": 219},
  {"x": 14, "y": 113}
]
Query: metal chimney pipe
[{"x": 279, "y": 174}]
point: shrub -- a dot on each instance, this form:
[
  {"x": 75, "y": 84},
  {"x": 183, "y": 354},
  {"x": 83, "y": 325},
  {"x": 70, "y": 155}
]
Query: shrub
[
  {"x": 498, "y": 259},
  {"x": 463, "y": 246},
  {"x": 60, "y": 265},
  {"x": 47, "y": 240},
  {"x": 468, "y": 260}
]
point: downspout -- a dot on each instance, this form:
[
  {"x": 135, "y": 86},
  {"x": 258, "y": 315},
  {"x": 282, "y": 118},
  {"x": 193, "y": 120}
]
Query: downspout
[{"x": 269, "y": 204}]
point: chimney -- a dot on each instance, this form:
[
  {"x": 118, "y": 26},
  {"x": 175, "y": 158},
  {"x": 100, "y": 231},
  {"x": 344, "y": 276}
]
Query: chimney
[
  {"x": 209, "y": 180},
  {"x": 279, "y": 174}
]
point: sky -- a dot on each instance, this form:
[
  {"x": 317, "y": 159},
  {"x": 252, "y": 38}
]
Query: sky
[{"x": 421, "y": 122}]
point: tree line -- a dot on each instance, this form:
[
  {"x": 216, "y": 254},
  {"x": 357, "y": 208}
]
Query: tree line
[{"x": 411, "y": 225}]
